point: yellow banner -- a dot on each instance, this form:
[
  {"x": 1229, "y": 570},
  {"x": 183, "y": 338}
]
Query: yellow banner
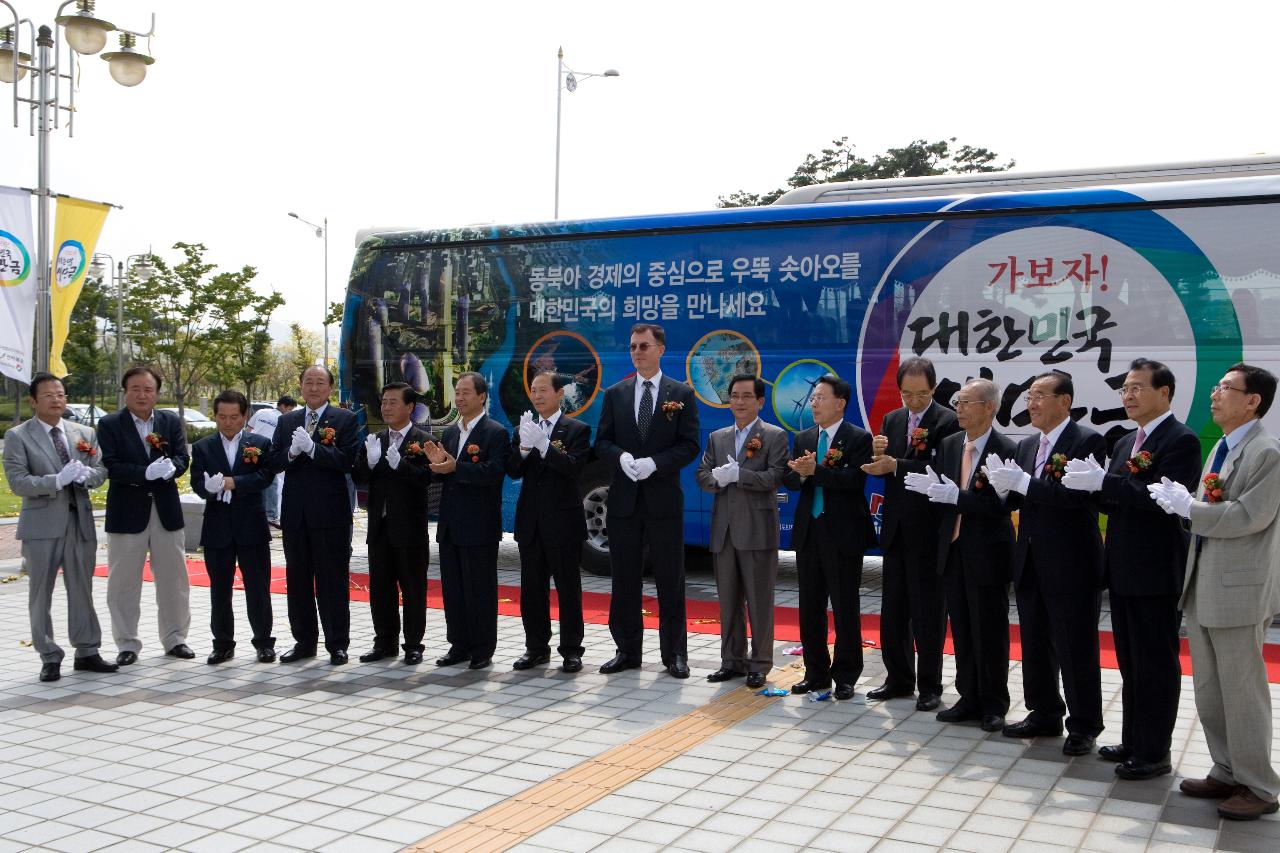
[{"x": 75, "y": 234}]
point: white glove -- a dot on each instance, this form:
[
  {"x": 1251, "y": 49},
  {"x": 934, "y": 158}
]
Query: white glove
[
  {"x": 529, "y": 432},
  {"x": 644, "y": 468},
  {"x": 731, "y": 472},
  {"x": 225, "y": 497},
  {"x": 68, "y": 473},
  {"x": 542, "y": 441},
  {"x": 213, "y": 483},
  {"x": 1084, "y": 475},
  {"x": 1009, "y": 478},
  {"x": 157, "y": 470},
  {"x": 1172, "y": 497},
  {"x": 302, "y": 442},
  {"x": 719, "y": 474},
  {"x": 526, "y": 418},
  {"x": 628, "y": 464},
  {"x": 993, "y": 462},
  {"x": 372, "y": 450},
  {"x": 920, "y": 483},
  {"x": 393, "y": 456},
  {"x": 946, "y": 492},
  {"x": 85, "y": 471}
]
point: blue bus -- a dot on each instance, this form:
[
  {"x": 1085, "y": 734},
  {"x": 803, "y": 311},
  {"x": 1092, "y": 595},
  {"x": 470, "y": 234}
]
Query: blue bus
[{"x": 1000, "y": 276}]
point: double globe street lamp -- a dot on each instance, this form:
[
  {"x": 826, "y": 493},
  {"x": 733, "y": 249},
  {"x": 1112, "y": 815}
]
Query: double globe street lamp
[{"x": 138, "y": 265}]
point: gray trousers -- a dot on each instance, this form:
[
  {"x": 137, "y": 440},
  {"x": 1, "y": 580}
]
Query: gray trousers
[
  {"x": 75, "y": 555},
  {"x": 126, "y": 553},
  {"x": 746, "y": 577},
  {"x": 1234, "y": 702}
]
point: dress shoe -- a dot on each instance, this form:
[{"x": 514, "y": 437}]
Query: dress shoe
[
  {"x": 267, "y": 655},
  {"x": 723, "y": 674},
  {"x": 220, "y": 656},
  {"x": 1137, "y": 770},
  {"x": 126, "y": 658},
  {"x": 94, "y": 663},
  {"x": 992, "y": 722},
  {"x": 572, "y": 663},
  {"x": 529, "y": 660},
  {"x": 885, "y": 692},
  {"x": 338, "y": 657},
  {"x": 298, "y": 653},
  {"x": 807, "y": 686},
  {"x": 618, "y": 663},
  {"x": 1207, "y": 788},
  {"x": 480, "y": 663},
  {"x": 755, "y": 680},
  {"x": 1244, "y": 804},
  {"x": 1115, "y": 752},
  {"x": 182, "y": 650},
  {"x": 843, "y": 692},
  {"x": 1030, "y": 728},
  {"x": 928, "y": 701},
  {"x": 679, "y": 667},
  {"x": 413, "y": 657},
  {"x": 957, "y": 713},
  {"x": 374, "y": 654},
  {"x": 50, "y": 672},
  {"x": 452, "y": 659},
  {"x": 1077, "y": 744}
]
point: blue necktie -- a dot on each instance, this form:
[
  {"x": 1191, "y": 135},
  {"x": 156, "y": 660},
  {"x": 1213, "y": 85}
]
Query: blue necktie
[
  {"x": 817, "y": 491},
  {"x": 1215, "y": 468}
]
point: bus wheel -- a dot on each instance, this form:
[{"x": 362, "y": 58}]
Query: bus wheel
[{"x": 595, "y": 497}]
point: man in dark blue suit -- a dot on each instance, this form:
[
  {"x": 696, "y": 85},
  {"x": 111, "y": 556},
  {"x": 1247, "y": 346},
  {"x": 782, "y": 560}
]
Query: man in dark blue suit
[
  {"x": 235, "y": 524},
  {"x": 648, "y": 432},
  {"x": 471, "y": 461},
  {"x": 145, "y": 451},
  {"x": 316, "y": 445}
]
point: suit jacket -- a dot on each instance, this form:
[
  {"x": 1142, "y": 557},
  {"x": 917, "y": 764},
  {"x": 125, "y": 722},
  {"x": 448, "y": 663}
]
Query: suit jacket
[
  {"x": 1061, "y": 523},
  {"x": 315, "y": 490},
  {"x": 129, "y": 493},
  {"x": 745, "y": 514},
  {"x": 1146, "y": 548},
  {"x": 471, "y": 497},
  {"x": 31, "y": 466},
  {"x": 244, "y": 520},
  {"x": 986, "y": 530},
  {"x": 550, "y": 505},
  {"x": 672, "y": 443},
  {"x": 843, "y": 489},
  {"x": 1236, "y": 580},
  {"x": 397, "y": 496},
  {"x": 910, "y": 519}
]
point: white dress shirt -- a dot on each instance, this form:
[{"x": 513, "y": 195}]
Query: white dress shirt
[
  {"x": 656, "y": 379},
  {"x": 464, "y": 432}
]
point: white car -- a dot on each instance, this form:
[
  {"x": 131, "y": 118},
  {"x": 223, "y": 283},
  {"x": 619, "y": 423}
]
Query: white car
[
  {"x": 83, "y": 413},
  {"x": 194, "y": 418}
]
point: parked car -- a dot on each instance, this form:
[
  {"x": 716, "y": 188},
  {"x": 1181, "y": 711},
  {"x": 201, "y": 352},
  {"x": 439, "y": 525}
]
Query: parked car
[
  {"x": 259, "y": 405},
  {"x": 194, "y": 418},
  {"x": 83, "y": 413}
]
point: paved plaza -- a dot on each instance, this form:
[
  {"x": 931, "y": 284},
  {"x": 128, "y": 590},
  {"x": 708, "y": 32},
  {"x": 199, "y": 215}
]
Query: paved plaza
[{"x": 178, "y": 755}]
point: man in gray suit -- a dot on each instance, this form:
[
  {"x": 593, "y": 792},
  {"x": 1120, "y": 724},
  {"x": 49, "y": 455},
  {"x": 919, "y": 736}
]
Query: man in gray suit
[
  {"x": 743, "y": 466},
  {"x": 1231, "y": 593},
  {"x": 52, "y": 464}
]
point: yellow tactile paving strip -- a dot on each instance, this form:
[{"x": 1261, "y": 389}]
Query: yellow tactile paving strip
[{"x": 506, "y": 824}]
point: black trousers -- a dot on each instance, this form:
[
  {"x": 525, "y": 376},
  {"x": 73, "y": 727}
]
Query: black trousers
[
  {"x": 1146, "y": 628},
  {"x": 913, "y": 618},
  {"x": 826, "y": 573},
  {"x": 398, "y": 571},
  {"x": 469, "y": 584},
  {"x": 539, "y": 564},
  {"x": 1060, "y": 636},
  {"x": 980, "y": 634},
  {"x": 664, "y": 537},
  {"x": 255, "y": 570},
  {"x": 317, "y": 571}
]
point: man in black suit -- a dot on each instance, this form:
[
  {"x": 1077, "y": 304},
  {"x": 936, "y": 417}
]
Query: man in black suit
[
  {"x": 648, "y": 432},
  {"x": 975, "y": 556},
  {"x": 394, "y": 465},
  {"x": 315, "y": 445},
  {"x": 832, "y": 531},
  {"x": 1146, "y": 562},
  {"x": 471, "y": 462},
  {"x": 548, "y": 454},
  {"x": 145, "y": 451},
  {"x": 234, "y": 529},
  {"x": 913, "y": 616},
  {"x": 1057, "y": 570}
]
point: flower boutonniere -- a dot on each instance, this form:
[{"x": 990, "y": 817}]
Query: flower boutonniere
[
  {"x": 833, "y": 457},
  {"x": 1056, "y": 466},
  {"x": 920, "y": 439},
  {"x": 1213, "y": 486},
  {"x": 415, "y": 448},
  {"x": 156, "y": 441},
  {"x": 980, "y": 480},
  {"x": 473, "y": 450},
  {"x": 558, "y": 445},
  {"x": 1140, "y": 462},
  {"x": 752, "y": 446},
  {"x": 251, "y": 455},
  {"x": 86, "y": 448},
  {"x": 328, "y": 435},
  {"x": 671, "y": 408}
]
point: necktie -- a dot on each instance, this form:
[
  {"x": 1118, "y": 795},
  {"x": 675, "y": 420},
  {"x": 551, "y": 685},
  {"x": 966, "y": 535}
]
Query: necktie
[
  {"x": 395, "y": 439},
  {"x": 646, "y": 410},
  {"x": 313, "y": 418},
  {"x": 1137, "y": 444},
  {"x": 966, "y": 471},
  {"x": 546, "y": 427},
  {"x": 911, "y": 428},
  {"x": 817, "y": 491},
  {"x": 1042, "y": 457},
  {"x": 1216, "y": 468},
  {"x": 60, "y": 445}
]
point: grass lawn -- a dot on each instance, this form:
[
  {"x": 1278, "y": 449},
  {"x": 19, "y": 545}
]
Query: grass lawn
[{"x": 11, "y": 503}]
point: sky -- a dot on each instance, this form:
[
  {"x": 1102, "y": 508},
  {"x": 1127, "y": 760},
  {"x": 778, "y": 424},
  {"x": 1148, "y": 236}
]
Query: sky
[{"x": 422, "y": 114}]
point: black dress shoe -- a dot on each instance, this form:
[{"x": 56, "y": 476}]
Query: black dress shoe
[
  {"x": 50, "y": 672},
  {"x": 374, "y": 654},
  {"x": 413, "y": 657},
  {"x": 928, "y": 701},
  {"x": 480, "y": 663},
  {"x": 618, "y": 663},
  {"x": 182, "y": 650},
  {"x": 94, "y": 663},
  {"x": 1136, "y": 769},
  {"x": 843, "y": 692},
  {"x": 755, "y": 680},
  {"x": 806, "y": 686},
  {"x": 452, "y": 659},
  {"x": 1077, "y": 744},
  {"x": 723, "y": 674},
  {"x": 885, "y": 692},
  {"x": 338, "y": 657},
  {"x": 957, "y": 713},
  {"x": 298, "y": 653},
  {"x": 220, "y": 656},
  {"x": 267, "y": 655},
  {"x": 572, "y": 663},
  {"x": 679, "y": 667},
  {"x": 126, "y": 658},
  {"x": 1115, "y": 752},
  {"x": 1030, "y": 728},
  {"x": 529, "y": 660},
  {"x": 992, "y": 722}
]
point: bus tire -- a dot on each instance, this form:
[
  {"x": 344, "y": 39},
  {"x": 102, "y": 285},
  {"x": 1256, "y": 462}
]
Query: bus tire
[{"x": 595, "y": 496}]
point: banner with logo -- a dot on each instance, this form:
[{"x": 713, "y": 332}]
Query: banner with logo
[
  {"x": 75, "y": 234},
  {"x": 17, "y": 283}
]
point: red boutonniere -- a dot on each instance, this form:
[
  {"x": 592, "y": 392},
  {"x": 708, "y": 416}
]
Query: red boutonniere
[
  {"x": 415, "y": 449},
  {"x": 250, "y": 454},
  {"x": 1140, "y": 462},
  {"x": 833, "y": 457},
  {"x": 156, "y": 440},
  {"x": 671, "y": 408},
  {"x": 474, "y": 451},
  {"x": 1056, "y": 466},
  {"x": 558, "y": 445},
  {"x": 980, "y": 480},
  {"x": 920, "y": 439},
  {"x": 1213, "y": 487},
  {"x": 327, "y": 435},
  {"x": 87, "y": 448},
  {"x": 752, "y": 446}
]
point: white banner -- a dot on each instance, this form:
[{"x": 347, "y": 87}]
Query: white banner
[{"x": 17, "y": 283}]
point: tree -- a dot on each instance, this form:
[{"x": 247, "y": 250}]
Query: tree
[
  {"x": 305, "y": 348},
  {"x": 840, "y": 163},
  {"x": 90, "y": 364}
]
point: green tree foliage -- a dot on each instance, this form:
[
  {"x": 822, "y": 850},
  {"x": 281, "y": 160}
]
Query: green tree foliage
[
  {"x": 304, "y": 350},
  {"x": 840, "y": 163},
  {"x": 89, "y": 354}
]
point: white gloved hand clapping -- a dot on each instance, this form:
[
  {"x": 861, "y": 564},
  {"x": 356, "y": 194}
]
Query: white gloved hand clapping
[
  {"x": 372, "y": 450},
  {"x": 303, "y": 443},
  {"x": 393, "y": 456},
  {"x": 213, "y": 483},
  {"x": 1172, "y": 497},
  {"x": 529, "y": 432},
  {"x": 1084, "y": 475},
  {"x": 156, "y": 470},
  {"x": 1008, "y": 478},
  {"x": 920, "y": 483},
  {"x": 68, "y": 473},
  {"x": 731, "y": 471},
  {"x": 946, "y": 492}
]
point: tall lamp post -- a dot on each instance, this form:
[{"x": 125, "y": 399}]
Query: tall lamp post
[
  {"x": 568, "y": 79},
  {"x": 322, "y": 231},
  {"x": 139, "y": 265},
  {"x": 51, "y": 90}
]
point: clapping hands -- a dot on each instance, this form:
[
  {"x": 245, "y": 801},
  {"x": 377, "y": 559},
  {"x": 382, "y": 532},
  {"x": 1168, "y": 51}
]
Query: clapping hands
[
  {"x": 372, "y": 449},
  {"x": 73, "y": 471},
  {"x": 161, "y": 469},
  {"x": 1084, "y": 475},
  {"x": 726, "y": 473},
  {"x": 302, "y": 443},
  {"x": 1172, "y": 497}
]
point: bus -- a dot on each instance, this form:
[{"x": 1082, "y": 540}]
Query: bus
[{"x": 997, "y": 276}]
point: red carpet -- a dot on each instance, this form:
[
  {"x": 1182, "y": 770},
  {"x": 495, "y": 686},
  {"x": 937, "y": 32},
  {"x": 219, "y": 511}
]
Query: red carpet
[{"x": 703, "y": 616}]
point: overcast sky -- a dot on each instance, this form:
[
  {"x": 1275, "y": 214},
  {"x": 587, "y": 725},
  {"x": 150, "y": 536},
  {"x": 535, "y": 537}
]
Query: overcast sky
[{"x": 430, "y": 113}]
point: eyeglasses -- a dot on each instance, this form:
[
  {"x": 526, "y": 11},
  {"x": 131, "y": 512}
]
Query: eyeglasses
[
  {"x": 1126, "y": 390},
  {"x": 642, "y": 347},
  {"x": 961, "y": 404},
  {"x": 1222, "y": 388},
  {"x": 818, "y": 398},
  {"x": 1038, "y": 398},
  {"x": 916, "y": 395},
  {"x": 741, "y": 398}
]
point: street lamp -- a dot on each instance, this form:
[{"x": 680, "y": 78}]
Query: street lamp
[
  {"x": 570, "y": 82},
  {"x": 322, "y": 231},
  {"x": 139, "y": 265}
]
